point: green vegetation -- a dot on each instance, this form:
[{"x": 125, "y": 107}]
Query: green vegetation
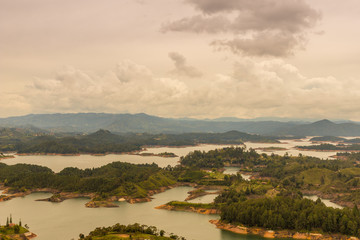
[
  {"x": 355, "y": 156},
  {"x": 167, "y": 154},
  {"x": 114, "y": 179},
  {"x": 4, "y": 156},
  {"x": 184, "y": 205},
  {"x": 327, "y": 139},
  {"x": 133, "y": 231},
  {"x": 12, "y": 230},
  {"x": 331, "y": 147},
  {"x": 218, "y": 158},
  {"x": 270, "y": 149},
  {"x": 292, "y": 213}
]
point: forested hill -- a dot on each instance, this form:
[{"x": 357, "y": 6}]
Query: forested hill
[
  {"x": 141, "y": 123},
  {"x": 103, "y": 141}
]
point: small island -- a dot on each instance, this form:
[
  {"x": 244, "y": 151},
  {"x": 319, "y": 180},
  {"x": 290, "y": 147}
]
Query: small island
[
  {"x": 3, "y": 156},
  {"x": 132, "y": 231},
  {"x": 325, "y": 147},
  {"x": 163, "y": 154},
  {"x": 271, "y": 149},
  {"x": 202, "y": 208},
  {"x": 13, "y": 231},
  {"x": 327, "y": 139}
]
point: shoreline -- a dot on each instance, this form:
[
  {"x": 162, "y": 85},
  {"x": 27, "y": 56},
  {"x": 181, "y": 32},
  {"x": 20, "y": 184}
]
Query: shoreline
[
  {"x": 278, "y": 233},
  {"x": 59, "y": 196}
]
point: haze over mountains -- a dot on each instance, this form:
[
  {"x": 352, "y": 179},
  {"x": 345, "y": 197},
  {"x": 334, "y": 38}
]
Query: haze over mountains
[{"x": 139, "y": 123}]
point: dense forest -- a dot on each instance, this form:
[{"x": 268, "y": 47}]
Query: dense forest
[
  {"x": 218, "y": 158},
  {"x": 293, "y": 214},
  {"x": 114, "y": 179}
]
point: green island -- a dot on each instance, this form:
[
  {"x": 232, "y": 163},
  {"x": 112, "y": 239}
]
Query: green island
[
  {"x": 3, "y": 156},
  {"x": 132, "y": 231},
  {"x": 331, "y": 147},
  {"x": 335, "y": 139},
  {"x": 15, "y": 231},
  {"x": 163, "y": 154},
  {"x": 134, "y": 183},
  {"x": 271, "y": 149},
  {"x": 327, "y": 139}
]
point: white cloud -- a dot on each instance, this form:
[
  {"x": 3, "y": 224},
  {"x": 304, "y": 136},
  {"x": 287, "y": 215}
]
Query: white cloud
[{"x": 253, "y": 89}]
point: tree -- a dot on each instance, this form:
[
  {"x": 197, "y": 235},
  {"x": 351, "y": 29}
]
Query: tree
[
  {"x": 162, "y": 232},
  {"x": 16, "y": 229}
]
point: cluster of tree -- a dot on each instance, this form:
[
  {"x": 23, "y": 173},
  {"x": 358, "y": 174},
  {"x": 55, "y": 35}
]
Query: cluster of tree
[
  {"x": 117, "y": 178},
  {"x": 12, "y": 228},
  {"x": 354, "y": 156},
  {"x": 218, "y": 158},
  {"x": 332, "y": 147},
  {"x": 132, "y": 229},
  {"x": 292, "y": 213},
  {"x": 283, "y": 166},
  {"x": 230, "y": 196},
  {"x": 327, "y": 139}
]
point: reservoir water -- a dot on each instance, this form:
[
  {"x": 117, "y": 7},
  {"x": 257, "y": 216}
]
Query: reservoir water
[
  {"x": 66, "y": 220},
  {"x": 58, "y": 163}
]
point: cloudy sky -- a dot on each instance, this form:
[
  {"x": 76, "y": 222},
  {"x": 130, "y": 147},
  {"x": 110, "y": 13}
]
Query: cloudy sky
[{"x": 181, "y": 58}]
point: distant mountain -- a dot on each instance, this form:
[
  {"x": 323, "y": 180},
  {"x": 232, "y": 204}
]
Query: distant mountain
[
  {"x": 322, "y": 128},
  {"x": 122, "y": 123},
  {"x": 143, "y": 123}
]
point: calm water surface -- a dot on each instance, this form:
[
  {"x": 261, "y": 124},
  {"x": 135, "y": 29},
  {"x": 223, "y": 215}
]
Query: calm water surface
[
  {"x": 63, "y": 221},
  {"x": 290, "y": 148},
  {"x": 58, "y": 163}
]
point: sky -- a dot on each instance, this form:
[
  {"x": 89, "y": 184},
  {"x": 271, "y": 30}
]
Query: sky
[{"x": 181, "y": 58}]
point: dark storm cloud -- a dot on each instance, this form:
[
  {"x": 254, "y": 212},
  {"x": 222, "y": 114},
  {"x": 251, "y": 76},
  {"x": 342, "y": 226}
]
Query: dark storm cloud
[{"x": 284, "y": 22}]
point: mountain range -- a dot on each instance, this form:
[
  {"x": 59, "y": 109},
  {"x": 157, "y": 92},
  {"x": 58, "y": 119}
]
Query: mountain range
[{"x": 140, "y": 123}]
